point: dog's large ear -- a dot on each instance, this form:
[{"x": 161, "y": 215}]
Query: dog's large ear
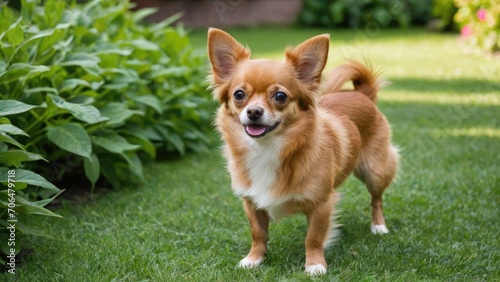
[
  {"x": 309, "y": 60},
  {"x": 224, "y": 53}
]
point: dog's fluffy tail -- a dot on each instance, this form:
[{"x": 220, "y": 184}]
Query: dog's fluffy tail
[{"x": 364, "y": 79}]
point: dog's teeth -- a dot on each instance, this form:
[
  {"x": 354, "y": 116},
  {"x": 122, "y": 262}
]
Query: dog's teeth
[
  {"x": 315, "y": 270},
  {"x": 379, "y": 229}
]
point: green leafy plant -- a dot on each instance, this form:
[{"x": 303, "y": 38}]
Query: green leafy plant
[
  {"x": 362, "y": 13},
  {"x": 17, "y": 199},
  {"x": 100, "y": 87},
  {"x": 479, "y": 22},
  {"x": 91, "y": 91}
]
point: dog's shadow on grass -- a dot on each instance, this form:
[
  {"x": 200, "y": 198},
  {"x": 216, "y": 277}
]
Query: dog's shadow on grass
[{"x": 286, "y": 247}]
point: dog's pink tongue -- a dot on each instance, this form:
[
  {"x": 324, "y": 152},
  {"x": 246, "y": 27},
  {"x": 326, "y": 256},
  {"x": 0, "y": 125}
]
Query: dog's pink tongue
[{"x": 255, "y": 129}]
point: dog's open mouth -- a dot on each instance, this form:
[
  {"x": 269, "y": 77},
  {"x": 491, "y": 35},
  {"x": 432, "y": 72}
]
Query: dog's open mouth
[{"x": 259, "y": 130}]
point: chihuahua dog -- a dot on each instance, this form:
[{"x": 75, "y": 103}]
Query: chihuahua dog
[{"x": 288, "y": 147}]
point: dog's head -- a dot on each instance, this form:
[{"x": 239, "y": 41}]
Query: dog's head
[{"x": 265, "y": 96}]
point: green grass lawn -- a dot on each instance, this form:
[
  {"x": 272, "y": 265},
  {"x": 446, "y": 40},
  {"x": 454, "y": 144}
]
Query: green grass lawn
[{"x": 184, "y": 223}]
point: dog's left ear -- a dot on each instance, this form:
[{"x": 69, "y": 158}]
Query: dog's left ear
[
  {"x": 224, "y": 53},
  {"x": 309, "y": 60}
]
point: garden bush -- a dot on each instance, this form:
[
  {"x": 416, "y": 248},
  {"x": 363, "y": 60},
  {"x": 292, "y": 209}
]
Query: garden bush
[
  {"x": 444, "y": 11},
  {"x": 17, "y": 199},
  {"x": 361, "y": 13},
  {"x": 101, "y": 87},
  {"x": 479, "y": 22},
  {"x": 88, "y": 90}
]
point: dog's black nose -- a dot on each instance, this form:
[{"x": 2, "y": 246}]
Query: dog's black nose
[{"x": 255, "y": 112}]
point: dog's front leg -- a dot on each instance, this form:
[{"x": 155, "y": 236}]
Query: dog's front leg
[
  {"x": 259, "y": 224},
  {"x": 320, "y": 225}
]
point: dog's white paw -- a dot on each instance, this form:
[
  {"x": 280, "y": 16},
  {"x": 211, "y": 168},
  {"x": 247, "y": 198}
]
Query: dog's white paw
[
  {"x": 315, "y": 270},
  {"x": 379, "y": 229},
  {"x": 248, "y": 263}
]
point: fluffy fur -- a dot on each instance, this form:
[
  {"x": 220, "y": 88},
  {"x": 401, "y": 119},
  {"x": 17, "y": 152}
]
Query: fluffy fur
[{"x": 288, "y": 147}]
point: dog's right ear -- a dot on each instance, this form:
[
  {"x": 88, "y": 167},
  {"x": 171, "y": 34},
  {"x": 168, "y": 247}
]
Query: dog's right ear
[{"x": 224, "y": 53}]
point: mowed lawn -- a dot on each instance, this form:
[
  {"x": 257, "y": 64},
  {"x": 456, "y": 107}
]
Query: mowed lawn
[{"x": 184, "y": 223}]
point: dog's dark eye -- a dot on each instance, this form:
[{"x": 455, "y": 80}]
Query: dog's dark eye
[
  {"x": 239, "y": 95},
  {"x": 280, "y": 97}
]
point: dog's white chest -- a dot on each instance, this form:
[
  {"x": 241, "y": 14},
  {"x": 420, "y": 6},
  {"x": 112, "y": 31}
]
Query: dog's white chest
[{"x": 262, "y": 164}]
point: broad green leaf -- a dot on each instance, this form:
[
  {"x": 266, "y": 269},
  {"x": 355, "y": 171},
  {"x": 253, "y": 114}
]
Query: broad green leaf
[
  {"x": 97, "y": 84},
  {"x": 72, "y": 83},
  {"x": 145, "y": 132},
  {"x": 26, "y": 207},
  {"x": 142, "y": 44},
  {"x": 63, "y": 44},
  {"x": 149, "y": 100},
  {"x": 19, "y": 70},
  {"x": 4, "y": 137},
  {"x": 82, "y": 100},
  {"x": 171, "y": 72},
  {"x": 145, "y": 144},
  {"x": 11, "y": 27},
  {"x": 140, "y": 66},
  {"x": 81, "y": 60},
  {"x": 176, "y": 140},
  {"x": 14, "y": 34},
  {"x": 15, "y": 157},
  {"x": 113, "y": 142},
  {"x": 181, "y": 41},
  {"x": 44, "y": 202},
  {"x": 35, "y": 72},
  {"x": 28, "y": 8},
  {"x": 172, "y": 138},
  {"x": 92, "y": 168},
  {"x": 38, "y": 35},
  {"x": 128, "y": 75},
  {"x": 86, "y": 113},
  {"x": 53, "y": 11},
  {"x": 56, "y": 39},
  {"x": 28, "y": 177},
  {"x": 41, "y": 89},
  {"x": 4, "y": 120},
  {"x": 8, "y": 128},
  {"x": 71, "y": 137},
  {"x": 117, "y": 113},
  {"x": 134, "y": 162},
  {"x": 93, "y": 70},
  {"x": 120, "y": 83}
]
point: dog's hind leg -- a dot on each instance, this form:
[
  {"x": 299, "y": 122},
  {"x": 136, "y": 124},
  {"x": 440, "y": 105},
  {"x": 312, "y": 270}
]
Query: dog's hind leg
[{"x": 377, "y": 168}]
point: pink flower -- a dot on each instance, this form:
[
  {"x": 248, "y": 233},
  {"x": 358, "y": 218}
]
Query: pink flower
[
  {"x": 481, "y": 14},
  {"x": 466, "y": 31}
]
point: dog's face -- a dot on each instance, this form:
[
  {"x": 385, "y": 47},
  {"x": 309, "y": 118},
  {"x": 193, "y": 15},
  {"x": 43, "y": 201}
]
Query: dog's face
[{"x": 265, "y": 97}]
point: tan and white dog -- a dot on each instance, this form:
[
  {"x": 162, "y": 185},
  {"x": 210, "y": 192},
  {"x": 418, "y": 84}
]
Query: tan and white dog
[{"x": 288, "y": 147}]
